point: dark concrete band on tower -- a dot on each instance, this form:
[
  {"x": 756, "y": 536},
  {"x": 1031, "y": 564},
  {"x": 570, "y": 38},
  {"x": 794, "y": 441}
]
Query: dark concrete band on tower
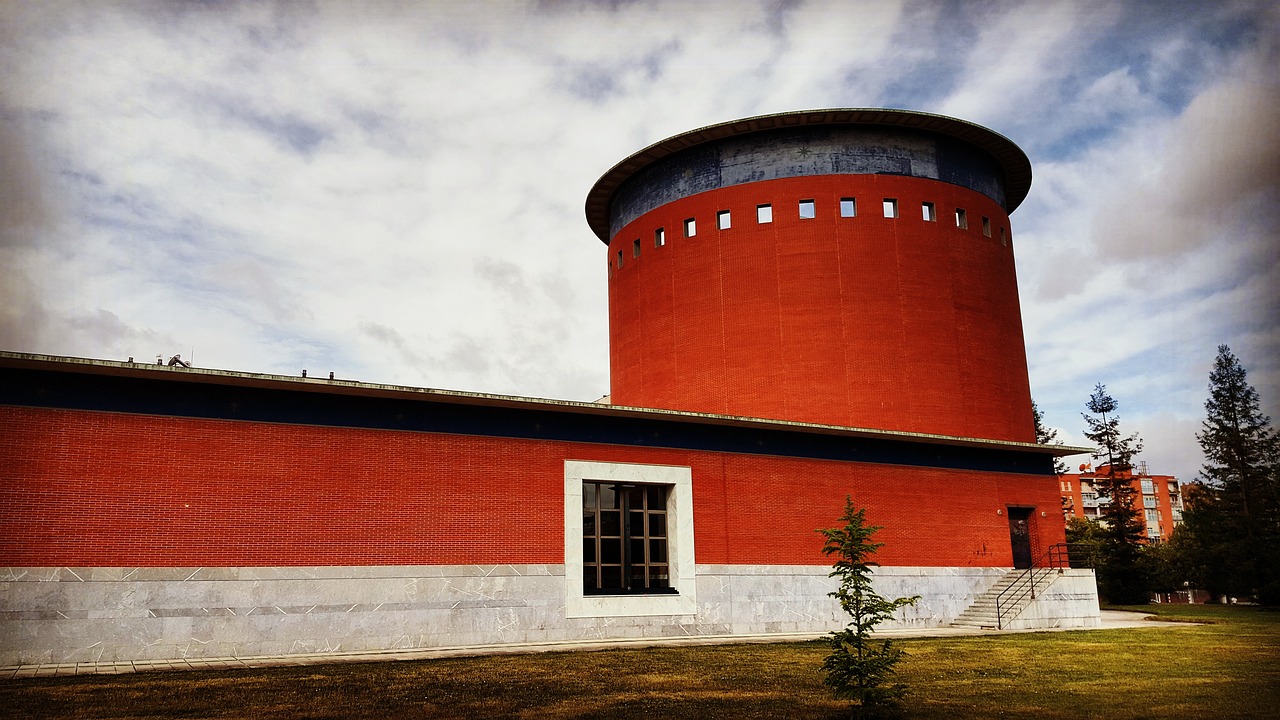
[{"x": 849, "y": 267}]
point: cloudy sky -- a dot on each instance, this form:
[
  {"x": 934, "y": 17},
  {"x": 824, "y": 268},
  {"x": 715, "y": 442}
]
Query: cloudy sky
[{"x": 394, "y": 190}]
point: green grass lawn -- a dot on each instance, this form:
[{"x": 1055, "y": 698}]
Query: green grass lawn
[{"x": 1226, "y": 668}]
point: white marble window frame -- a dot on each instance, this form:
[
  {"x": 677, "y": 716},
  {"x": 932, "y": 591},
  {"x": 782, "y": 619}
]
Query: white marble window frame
[{"x": 680, "y": 549}]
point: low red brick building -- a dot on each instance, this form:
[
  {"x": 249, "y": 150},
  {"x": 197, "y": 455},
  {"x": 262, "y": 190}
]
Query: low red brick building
[{"x": 803, "y": 307}]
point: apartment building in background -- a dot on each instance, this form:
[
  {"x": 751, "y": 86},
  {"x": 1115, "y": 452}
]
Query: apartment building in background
[{"x": 1159, "y": 498}]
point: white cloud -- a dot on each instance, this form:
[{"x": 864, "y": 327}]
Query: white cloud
[
  {"x": 1146, "y": 249},
  {"x": 1022, "y": 58}
]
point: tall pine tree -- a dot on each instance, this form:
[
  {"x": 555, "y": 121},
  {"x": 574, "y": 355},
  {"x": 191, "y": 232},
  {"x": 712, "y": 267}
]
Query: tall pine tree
[
  {"x": 1238, "y": 523},
  {"x": 1121, "y": 577}
]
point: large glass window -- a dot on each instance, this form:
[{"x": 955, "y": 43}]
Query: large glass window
[
  {"x": 628, "y": 540},
  {"x": 624, "y": 539}
]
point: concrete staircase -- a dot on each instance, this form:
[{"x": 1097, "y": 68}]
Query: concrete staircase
[{"x": 982, "y": 613}]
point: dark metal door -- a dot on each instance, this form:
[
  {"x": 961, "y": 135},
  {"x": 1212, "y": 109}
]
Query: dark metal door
[{"x": 1020, "y": 536}]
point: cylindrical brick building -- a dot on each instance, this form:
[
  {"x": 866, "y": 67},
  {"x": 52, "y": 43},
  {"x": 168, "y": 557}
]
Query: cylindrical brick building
[
  {"x": 847, "y": 267},
  {"x": 841, "y": 267}
]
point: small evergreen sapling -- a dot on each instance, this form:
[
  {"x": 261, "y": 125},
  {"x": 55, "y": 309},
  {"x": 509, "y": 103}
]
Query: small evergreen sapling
[{"x": 858, "y": 668}]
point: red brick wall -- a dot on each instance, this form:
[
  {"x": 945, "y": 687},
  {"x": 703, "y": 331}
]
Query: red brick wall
[
  {"x": 105, "y": 489},
  {"x": 896, "y": 324}
]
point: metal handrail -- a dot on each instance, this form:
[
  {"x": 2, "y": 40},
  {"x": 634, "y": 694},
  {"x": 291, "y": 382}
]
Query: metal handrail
[
  {"x": 1056, "y": 557},
  {"x": 1023, "y": 585}
]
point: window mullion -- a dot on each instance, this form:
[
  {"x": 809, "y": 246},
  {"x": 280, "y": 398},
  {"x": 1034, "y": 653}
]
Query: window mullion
[
  {"x": 625, "y": 492},
  {"x": 599, "y": 558}
]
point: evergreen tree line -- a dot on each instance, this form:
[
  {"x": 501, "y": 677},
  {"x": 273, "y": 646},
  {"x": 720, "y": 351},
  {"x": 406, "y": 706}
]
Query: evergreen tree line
[{"x": 1229, "y": 541}]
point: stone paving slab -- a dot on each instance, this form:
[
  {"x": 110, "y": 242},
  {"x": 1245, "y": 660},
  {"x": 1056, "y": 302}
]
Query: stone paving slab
[{"x": 1111, "y": 619}]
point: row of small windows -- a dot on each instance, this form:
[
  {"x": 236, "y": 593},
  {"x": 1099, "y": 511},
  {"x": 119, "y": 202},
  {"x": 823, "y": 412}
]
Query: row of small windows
[
  {"x": 929, "y": 213},
  {"x": 808, "y": 211}
]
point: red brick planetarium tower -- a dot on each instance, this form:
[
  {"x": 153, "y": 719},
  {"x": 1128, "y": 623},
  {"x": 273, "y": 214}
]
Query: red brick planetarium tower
[
  {"x": 803, "y": 307},
  {"x": 847, "y": 267}
]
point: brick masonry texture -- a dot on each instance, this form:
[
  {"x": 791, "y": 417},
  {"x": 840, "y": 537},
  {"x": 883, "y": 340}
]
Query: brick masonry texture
[
  {"x": 83, "y": 489},
  {"x": 886, "y": 323},
  {"x": 317, "y": 518}
]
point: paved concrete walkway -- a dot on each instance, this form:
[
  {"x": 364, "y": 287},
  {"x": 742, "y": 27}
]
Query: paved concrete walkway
[{"x": 1111, "y": 619}]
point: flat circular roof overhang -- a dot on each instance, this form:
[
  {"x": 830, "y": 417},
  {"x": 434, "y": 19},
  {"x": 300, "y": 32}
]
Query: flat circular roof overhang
[{"x": 1009, "y": 157}]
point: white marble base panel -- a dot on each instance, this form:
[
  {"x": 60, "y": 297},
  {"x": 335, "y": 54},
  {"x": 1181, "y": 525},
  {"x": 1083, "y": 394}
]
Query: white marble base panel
[{"x": 62, "y": 615}]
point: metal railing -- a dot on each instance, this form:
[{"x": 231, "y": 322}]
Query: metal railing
[{"x": 1057, "y": 557}]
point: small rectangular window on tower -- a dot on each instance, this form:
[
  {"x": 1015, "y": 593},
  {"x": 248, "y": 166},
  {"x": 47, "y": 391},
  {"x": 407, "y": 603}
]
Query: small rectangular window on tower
[
  {"x": 962, "y": 219},
  {"x": 986, "y": 226},
  {"x": 690, "y": 228},
  {"x": 1004, "y": 237},
  {"x": 723, "y": 221},
  {"x": 635, "y": 248},
  {"x": 848, "y": 207},
  {"x": 928, "y": 211},
  {"x": 890, "y": 208},
  {"x": 807, "y": 210},
  {"x": 764, "y": 214},
  {"x": 618, "y": 263},
  {"x": 659, "y": 237}
]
